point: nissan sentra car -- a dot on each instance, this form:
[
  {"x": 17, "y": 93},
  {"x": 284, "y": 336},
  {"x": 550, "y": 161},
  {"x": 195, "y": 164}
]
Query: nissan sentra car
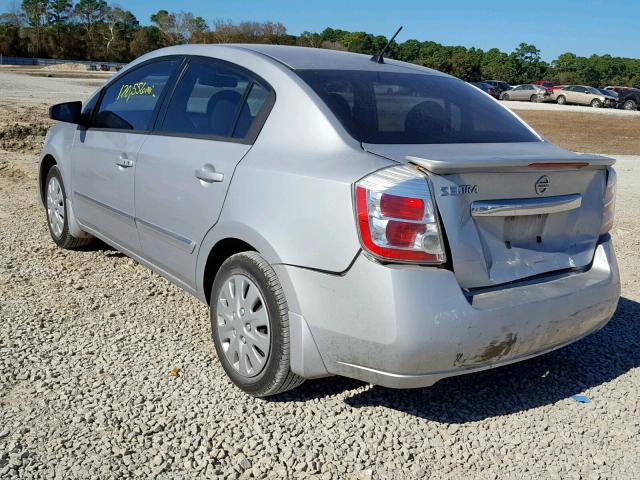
[{"x": 340, "y": 216}]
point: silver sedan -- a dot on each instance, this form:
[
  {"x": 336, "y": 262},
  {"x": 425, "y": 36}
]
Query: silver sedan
[
  {"x": 339, "y": 216},
  {"x": 527, "y": 93}
]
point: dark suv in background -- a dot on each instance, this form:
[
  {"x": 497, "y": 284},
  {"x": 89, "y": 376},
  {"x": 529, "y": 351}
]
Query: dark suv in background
[
  {"x": 629, "y": 98},
  {"x": 498, "y": 85}
]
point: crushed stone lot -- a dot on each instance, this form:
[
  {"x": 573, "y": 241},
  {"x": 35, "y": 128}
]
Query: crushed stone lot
[{"x": 107, "y": 371}]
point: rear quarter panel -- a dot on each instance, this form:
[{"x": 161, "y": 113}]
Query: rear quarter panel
[{"x": 290, "y": 196}]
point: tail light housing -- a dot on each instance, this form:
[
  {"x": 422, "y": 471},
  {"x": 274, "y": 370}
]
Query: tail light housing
[
  {"x": 609, "y": 203},
  {"x": 396, "y": 217}
]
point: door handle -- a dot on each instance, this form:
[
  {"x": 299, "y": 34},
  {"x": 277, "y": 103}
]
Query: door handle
[
  {"x": 123, "y": 161},
  {"x": 208, "y": 174}
]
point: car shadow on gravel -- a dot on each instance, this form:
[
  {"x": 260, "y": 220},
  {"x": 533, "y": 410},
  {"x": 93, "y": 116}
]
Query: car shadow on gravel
[
  {"x": 98, "y": 245},
  {"x": 596, "y": 359}
]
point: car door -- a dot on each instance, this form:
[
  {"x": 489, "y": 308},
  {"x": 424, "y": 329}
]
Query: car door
[
  {"x": 582, "y": 95},
  {"x": 185, "y": 166},
  {"x": 104, "y": 154},
  {"x": 568, "y": 93},
  {"x": 519, "y": 92}
]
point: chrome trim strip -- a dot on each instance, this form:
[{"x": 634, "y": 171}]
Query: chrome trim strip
[
  {"x": 525, "y": 206},
  {"x": 173, "y": 238},
  {"x": 131, "y": 218}
]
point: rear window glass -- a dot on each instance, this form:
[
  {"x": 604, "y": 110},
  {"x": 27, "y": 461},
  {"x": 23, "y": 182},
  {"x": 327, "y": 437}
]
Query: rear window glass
[{"x": 396, "y": 108}]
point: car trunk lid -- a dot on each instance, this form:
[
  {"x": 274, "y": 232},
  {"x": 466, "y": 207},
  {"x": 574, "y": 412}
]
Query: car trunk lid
[{"x": 511, "y": 211}]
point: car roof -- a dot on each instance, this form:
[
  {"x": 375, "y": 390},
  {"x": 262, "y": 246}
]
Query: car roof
[
  {"x": 305, "y": 58},
  {"x": 301, "y": 58}
]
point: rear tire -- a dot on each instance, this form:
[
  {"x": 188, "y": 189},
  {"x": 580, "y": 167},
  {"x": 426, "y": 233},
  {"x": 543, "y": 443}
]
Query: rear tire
[
  {"x": 561, "y": 100},
  {"x": 595, "y": 103},
  {"x": 56, "y": 211},
  {"x": 250, "y": 326},
  {"x": 630, "y": 105}
]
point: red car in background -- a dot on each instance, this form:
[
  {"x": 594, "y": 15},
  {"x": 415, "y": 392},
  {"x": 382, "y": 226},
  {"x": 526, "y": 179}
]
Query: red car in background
[{"x": 544, "y": 83}]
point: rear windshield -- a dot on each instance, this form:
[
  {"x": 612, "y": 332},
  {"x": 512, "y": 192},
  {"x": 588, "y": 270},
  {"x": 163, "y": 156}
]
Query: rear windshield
[{"x": 392, "y": 108}]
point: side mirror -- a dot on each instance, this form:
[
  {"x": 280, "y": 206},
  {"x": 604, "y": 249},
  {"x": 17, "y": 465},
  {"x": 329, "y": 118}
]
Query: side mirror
[{"x": 69, "y": 112}]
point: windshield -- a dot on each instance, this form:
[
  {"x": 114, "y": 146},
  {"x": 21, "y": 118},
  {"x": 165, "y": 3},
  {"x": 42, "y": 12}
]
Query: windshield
[
  {"x": 594, "y": 90},
  {"x": 409, "y": 108}
]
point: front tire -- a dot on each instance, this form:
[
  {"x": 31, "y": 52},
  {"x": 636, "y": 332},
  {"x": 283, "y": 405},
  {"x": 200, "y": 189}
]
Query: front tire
[
  {"x": 533, "y": 98},
  {"x": 595, "y": 103},
  {"x": 57, "y": 218},
  {"x": 505, "y": 96},
  {"x": 561, "y": 100},
  {"x": 250, "y": 326}
]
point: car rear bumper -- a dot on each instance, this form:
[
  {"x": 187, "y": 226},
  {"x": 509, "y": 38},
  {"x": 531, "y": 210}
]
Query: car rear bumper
[{"x": 407, "y": 327}]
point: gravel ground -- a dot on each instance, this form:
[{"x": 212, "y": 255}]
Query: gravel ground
[{"x": 107, "y": 371}]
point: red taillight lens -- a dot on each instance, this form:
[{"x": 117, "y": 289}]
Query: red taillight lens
[
  {"x": 402, "y": 234},
  {"x": 405, "y": 208},
  {"x": 401, "y": 225}
]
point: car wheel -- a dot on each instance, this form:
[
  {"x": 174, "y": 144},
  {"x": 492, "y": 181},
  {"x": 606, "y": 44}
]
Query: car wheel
[
  {"x": 250, "y": 326},
  {"x": 533, "y": 98},
  {"x": 630, "y": 105},
  {"x": 505, "y": 96},
  {"x": 561, "y": 100},
  {"x": 57, "y": 218},
  {"x": 595, "y": 103}
]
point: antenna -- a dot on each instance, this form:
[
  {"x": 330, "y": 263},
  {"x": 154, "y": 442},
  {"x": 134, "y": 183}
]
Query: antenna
[{"x": 379, "y": 57}]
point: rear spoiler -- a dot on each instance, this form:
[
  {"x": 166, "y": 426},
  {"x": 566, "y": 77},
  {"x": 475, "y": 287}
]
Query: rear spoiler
[{"x": 512, "y": 163}]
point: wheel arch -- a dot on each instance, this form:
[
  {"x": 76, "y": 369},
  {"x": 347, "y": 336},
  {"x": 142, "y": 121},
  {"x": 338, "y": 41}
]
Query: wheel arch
[
  {"x": 47, "y": 162},
  {"x": 217, "y": 255}
]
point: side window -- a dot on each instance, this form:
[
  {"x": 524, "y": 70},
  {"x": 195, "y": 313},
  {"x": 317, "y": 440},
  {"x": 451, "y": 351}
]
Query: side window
[
  {"x": 129, "y": 102},
  {"x": 211, "y": 100},
  {"x": 252, "y": 106}
]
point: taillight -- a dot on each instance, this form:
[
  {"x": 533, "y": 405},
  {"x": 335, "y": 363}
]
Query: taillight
[
  {"x": 396, "y": 216},
  {"x": 609, "y": 204}
]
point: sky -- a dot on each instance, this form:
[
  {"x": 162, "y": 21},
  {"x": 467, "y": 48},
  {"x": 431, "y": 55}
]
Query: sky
[{"x": 583, "y": 27}]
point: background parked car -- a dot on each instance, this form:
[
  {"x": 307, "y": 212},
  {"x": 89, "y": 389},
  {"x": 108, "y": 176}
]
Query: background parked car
[
  {"x": 619, "y": 90},
  {"x": 499, "y": 85},
  {"x": 485, "y": 87},
  {"x": 630, "y": 99},
  {"x": 611, "y": 93},
  {"x": 584, "y": 95},
  {"x": 527, "y": 93}
]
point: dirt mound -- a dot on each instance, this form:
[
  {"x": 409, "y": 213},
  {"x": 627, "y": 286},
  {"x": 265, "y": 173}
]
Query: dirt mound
[
  {"x": 23, "y": 130},
  {"x": 8, "y": 170},
  {"x": 66, "y": 67}
]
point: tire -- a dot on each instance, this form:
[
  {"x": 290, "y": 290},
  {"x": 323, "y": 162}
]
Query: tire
[
  {"x": 56, "y": 212},
  {"x": 630, "y": 105},
  {"x": 505, "y": 96},
  {"x": 244, "y": 327},
  {"x": 595, "y": 103},
  {"x": 561, "y": 100},
  {"x": 533, "y": 98}
]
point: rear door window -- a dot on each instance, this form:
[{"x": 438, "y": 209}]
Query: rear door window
[
  {"x": 130, "y": 102},
  {"x": 213, "y": 100}
]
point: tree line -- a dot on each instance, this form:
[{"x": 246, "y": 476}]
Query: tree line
[{"x": 97, "y": 30}]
